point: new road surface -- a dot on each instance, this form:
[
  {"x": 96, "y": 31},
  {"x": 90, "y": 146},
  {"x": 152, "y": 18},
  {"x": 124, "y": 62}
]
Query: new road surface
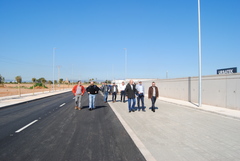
[{"x": 50, "y": 129}]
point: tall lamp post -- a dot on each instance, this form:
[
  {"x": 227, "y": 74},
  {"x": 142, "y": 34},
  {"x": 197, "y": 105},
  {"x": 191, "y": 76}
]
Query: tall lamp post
[
  {"x": 125, "y": 49},
  {"x": 53, "y": 67},
  {"x": 199, "y": 58}
]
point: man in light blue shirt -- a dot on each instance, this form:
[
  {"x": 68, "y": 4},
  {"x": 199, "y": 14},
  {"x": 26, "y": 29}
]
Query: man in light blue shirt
[{"x": 140, "y": 94}]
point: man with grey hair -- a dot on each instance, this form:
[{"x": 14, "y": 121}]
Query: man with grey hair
[
  {"x": 105, "y": 89},
  {"x": 130, "y": 93}
]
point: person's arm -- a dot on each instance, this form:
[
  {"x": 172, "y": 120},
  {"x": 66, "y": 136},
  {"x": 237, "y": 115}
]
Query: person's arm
[
  {"x": 126, "y": 91},
  {"x": 87, "y": 89},
  {"x": 110, "y": 90},
  {"x": 98, "y": 89},
  {"x": 83, "y": 90},
  {"x": 74, "y": 90},
  {"x": 157, "y": 94},
  {"x": 149, "y": 92}
]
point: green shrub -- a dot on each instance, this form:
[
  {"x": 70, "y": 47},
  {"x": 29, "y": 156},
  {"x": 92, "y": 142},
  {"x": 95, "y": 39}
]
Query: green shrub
[{"x": 38, "y": 85}]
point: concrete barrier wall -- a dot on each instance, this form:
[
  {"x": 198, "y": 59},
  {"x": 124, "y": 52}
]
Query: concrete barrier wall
[{"x": 217, "y": 90}]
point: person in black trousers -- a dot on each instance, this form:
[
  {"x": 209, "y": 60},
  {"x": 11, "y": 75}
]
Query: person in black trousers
[
  {"x": 114, "y": 91},
  {"x": 153, "y": 94}
]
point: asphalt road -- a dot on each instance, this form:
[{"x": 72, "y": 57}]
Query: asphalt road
[{"x": 50, "y": 129}]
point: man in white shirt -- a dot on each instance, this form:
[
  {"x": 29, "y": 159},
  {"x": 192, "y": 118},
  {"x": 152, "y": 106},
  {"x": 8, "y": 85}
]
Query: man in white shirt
[{"x": 122, "y": 91}]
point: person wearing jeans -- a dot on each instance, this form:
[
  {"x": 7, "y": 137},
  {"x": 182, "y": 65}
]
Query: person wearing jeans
[
  {"x": 153, "y": 95},
  {"x": 130, "y": 93},
  {"x": 140, "y": 94},
  {"x": 92, "y": 91},
  {"x": 91, "y": 101},
  {"x": 105, "y": 89}
]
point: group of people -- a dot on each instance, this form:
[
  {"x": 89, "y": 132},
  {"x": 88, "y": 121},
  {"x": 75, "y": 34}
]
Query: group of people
[
  {"x": 79, "y": 90},
  {"x": 131, "y": 91}
]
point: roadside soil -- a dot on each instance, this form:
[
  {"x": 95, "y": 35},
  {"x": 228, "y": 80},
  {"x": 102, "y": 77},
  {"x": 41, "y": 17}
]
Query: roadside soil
[{"x": 12, "y": 89}]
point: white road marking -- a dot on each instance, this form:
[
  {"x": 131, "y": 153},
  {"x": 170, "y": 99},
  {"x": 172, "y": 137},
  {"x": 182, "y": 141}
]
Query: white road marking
[
  {"x": 62, "y": 104},
  {"x": 26, "y": 126}
]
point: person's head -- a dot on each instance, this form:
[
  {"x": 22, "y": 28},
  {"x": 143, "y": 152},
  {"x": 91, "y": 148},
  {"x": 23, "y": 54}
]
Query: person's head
[
  {"x": 140, "y": 82},
  {"x": 123, "y": 83},
  {"x": 153, "y": 83},
  {"x": 114, "y": 84},
  {"x": 105, "y": 83},
  {"x": 131, "y": 82},
  {"x": 91, "y": 83},
  {"x": 79, "y": 83}
]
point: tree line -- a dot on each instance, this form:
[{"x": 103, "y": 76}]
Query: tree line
[{"x": 34, "y": 80}]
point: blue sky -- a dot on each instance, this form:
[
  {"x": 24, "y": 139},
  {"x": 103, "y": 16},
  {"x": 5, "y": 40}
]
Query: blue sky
[{"x": 90, "y": 36}]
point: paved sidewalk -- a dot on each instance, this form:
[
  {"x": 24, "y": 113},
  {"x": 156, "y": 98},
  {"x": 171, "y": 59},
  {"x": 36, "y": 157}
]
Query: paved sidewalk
[
  {"x": 214, "y": 109},
  {"x": 180, "y": 130},
  {"x": 16, "y": 99}
]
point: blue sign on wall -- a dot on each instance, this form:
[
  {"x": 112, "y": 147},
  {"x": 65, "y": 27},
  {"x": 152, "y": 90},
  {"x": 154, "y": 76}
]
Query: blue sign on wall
[{"x": 227, "y": 70}]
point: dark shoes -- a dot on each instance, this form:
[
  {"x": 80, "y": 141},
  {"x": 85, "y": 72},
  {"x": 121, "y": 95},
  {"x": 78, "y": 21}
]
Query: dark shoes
[
  {"x": 153, "y": 109},
  {"x": 132, "y": 111},
  {"x": 90, "y": 109}
]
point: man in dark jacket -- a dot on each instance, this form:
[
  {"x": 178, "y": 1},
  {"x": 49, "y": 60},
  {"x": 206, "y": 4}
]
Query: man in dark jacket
[
  {"x": 153, "y": 94},
  {"x": 114, "y": 91},
  {"x": 130, "y": 93},
  {"x": 105, "y": 89},
  {"x": 92, "y": 91}
]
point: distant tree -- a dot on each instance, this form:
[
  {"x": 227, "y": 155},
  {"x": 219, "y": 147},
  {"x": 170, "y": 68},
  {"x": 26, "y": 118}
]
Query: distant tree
[
  {"x": 90, "y": 80},
  {"x": 55, "y": 81},
  {"x": 34, "y": 80},
  {"x": 108, "y": 81},
  {"x": 61, "y": 81},
  {"x": 2, "y": 79},
  {"x": 49, "y": 82},
  {"x": 38, "y": 80},
  {"x": 18, "y": 79},
  {"x": 43, "y": 81}
]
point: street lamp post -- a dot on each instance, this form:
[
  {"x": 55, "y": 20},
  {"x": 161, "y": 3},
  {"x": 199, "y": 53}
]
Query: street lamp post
[
  {"x": 125, "y": 49},
  {"x": 53, "y": 66},
  {"x": 199, "y": 58}
]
